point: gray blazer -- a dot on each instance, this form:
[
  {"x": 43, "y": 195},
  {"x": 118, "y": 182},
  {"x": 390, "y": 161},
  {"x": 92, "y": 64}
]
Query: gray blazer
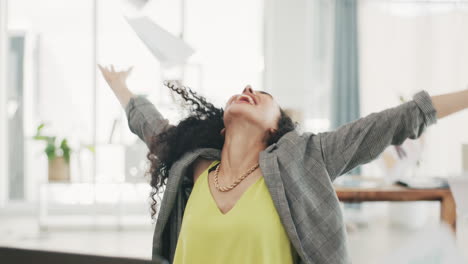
[{"x": 299, "y": 170}]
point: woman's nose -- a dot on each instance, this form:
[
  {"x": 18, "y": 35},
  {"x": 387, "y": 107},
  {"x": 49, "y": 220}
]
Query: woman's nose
[{"x": 249, "y": 89}]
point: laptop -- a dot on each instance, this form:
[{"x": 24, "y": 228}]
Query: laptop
[{"x": 26, "y": 256}]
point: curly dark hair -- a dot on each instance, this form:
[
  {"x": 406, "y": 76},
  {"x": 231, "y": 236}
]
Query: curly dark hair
[{"x": 201, "y": 129}]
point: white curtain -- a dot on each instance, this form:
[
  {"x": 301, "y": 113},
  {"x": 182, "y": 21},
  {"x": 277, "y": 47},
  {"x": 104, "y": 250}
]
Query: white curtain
[{"x": 298, "y": 57}]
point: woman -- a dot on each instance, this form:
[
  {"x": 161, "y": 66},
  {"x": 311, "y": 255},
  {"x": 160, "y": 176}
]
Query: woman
[{"x": 243, "y": 186}]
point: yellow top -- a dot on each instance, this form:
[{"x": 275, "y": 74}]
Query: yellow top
[{"x": 251, "y": 232}]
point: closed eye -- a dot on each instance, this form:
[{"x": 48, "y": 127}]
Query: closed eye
[{"x": 263, "y": 92}]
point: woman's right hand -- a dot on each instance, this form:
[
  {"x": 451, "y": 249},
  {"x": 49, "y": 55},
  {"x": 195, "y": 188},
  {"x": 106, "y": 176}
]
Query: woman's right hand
[
  {"x": 117, "y": 82},
  {"x": 115, "y": 79}
]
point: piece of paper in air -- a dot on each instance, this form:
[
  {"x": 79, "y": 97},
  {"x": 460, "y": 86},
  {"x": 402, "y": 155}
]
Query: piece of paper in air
[
  {"x": 459, "y": 188},
  {"x": 167, "y": 48}
]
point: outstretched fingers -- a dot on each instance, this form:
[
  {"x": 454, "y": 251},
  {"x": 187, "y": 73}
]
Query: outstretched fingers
[{"x": 128, "y": 71}]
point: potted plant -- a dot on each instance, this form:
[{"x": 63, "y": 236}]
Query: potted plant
[{"x": 58, "y": 156}]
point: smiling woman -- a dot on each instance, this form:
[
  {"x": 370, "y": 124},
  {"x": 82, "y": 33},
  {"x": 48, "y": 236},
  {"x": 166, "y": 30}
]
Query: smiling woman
[
  {"x": 257, "y": 155},
  {"x": 205, "y": 127},
  {"x": 211, "y": 127}
]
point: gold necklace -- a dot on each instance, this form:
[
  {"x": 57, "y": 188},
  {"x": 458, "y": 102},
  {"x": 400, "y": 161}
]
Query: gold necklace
[{"x": 224, "y": 188}]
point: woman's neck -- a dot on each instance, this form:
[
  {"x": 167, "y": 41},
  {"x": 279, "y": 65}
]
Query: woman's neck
[{"x": 242, "y": 146}]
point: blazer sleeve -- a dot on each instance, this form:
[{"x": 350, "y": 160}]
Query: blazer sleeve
[
  {"x": 144, "y": 120},
  {"x": 362, "y": 141}
]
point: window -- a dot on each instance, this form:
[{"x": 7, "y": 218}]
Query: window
[{"x": 55, "y": 46}]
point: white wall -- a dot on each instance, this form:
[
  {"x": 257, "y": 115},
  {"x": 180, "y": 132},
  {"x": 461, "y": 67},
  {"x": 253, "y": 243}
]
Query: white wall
[
  {"x": 402, "y": 53},
  {"x": 3, "y": 116}
]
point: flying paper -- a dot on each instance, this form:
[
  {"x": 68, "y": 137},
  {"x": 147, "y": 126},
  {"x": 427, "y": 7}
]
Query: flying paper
[{"x": 167, "y": 48}]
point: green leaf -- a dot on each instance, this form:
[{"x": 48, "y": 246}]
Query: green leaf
[
  {"x": 50, "y": 151},
  {"x": 39, "y": 129},
  {"x": 66, "y": 150},
  {"x": 51, "y": 140},
  {"x": 39, "y": 137},
  {"x": 90, "y": 148}
]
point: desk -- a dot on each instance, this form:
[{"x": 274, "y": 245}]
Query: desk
[{"x": 398, "y": 193}]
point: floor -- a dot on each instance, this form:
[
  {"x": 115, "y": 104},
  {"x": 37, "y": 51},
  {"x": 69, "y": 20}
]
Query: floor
[{"x": 368, "y": 242}]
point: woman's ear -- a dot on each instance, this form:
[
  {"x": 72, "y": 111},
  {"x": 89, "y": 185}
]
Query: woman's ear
[
  {"x": 223, "y": 131},
  {"x": 269, "y": 133},
  {"x": 272, "y": 131}
]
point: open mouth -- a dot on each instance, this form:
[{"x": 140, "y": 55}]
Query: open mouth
[{"x": 245, "y": 99}]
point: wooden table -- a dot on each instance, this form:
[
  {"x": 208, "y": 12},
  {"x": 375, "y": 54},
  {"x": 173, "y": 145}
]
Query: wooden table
[{"x": 399, "y": 193}]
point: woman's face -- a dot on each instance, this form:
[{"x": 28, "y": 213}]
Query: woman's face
[{"x": 258, "y": 107}]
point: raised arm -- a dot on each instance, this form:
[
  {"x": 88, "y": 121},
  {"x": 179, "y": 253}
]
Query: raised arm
[
  {"x": 365, "y": 139},
  {"x": 144, "y": 120},
  {"x": 447, "y": 104},
  {"x": 117, "y": 81}
]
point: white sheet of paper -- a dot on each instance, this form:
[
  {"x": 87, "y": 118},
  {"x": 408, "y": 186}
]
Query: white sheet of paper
[
  {"x": 459, "y": 188},
  {"x": 167, "y": 48}
]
